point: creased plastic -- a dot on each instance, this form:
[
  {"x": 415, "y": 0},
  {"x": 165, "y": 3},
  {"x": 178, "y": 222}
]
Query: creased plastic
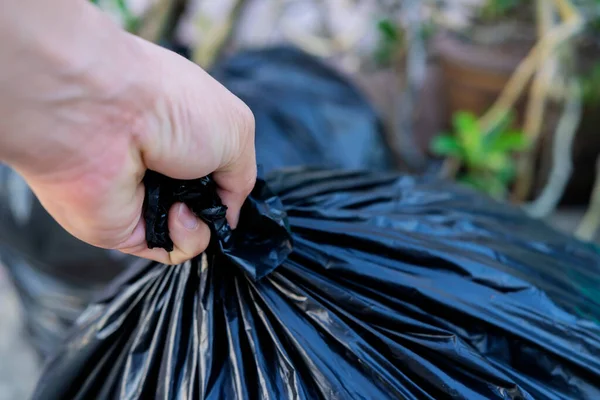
[
  {"x": 55, "y": 274},
  {"x": 259, "y": 244},
  {"x": 397, "y": 288},
  {"x": 303, "y": 109}
]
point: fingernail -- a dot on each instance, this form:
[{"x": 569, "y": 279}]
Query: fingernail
[{"x": 187, "y": 218}]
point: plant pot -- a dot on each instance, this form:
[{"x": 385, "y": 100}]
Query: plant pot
[
  {"x": 383, "y": 87},
  {"x": 474, "y": 73}
]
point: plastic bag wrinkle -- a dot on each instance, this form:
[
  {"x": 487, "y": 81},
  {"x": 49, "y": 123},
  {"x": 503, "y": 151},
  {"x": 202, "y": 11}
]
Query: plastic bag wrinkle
[{"x": 366, "y": 305}]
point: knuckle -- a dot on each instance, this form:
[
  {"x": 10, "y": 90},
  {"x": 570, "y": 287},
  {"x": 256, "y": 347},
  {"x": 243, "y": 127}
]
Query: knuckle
[
  {"x": 246, "y": 131},
  {"x": 243, "y": 125},
  {"x": 250, "y": 181},
  {"x": 245, "y": 122}
]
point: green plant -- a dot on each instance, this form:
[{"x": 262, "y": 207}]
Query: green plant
[
  {"x": 120, "y": 10},
  {"x": 494, "y": 9},
  {"x": 391, "y": 42},
  {"x": 590, "y": 85},
  {"x": 591, "y": 9},
  {"x": 590, "y": 79},
  {"x": 486, "y": 159}
]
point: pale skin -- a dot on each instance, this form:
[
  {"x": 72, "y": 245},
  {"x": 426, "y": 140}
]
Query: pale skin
[{"x": 86, "y": 109}]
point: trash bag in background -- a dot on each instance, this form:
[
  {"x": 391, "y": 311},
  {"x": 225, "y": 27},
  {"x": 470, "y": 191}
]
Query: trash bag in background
[
  {"x": 396, "y": 288},
  {"x": 56, "y": 275},
  {"x": 306, "y": 113}
]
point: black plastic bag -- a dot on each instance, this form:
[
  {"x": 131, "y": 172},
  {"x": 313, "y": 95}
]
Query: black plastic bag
[
  {"x": 55, "y": 274},
  {"x": 306, "y": 113},
  {"x": 397, "y": 287}
]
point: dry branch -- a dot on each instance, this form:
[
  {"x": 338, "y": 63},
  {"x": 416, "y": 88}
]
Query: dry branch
[
  {"x": 209, "y": 49},
  {"x": 562, "y": 164}
]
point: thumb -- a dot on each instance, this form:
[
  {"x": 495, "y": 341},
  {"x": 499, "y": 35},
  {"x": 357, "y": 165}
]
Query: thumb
[{"x": 190, "y": 237}]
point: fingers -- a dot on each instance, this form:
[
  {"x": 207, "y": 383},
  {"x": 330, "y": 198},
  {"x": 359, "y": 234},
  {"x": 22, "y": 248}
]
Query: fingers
[
  {"x": 236, "y": 179},
  {"x": 189, "y": 234},
  {"x": 198, "y": 128}
]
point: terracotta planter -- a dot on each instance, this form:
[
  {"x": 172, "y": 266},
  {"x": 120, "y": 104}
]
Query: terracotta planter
[
  {"x": 474, "y": 75},
  {"x": 382, "y": 88}
]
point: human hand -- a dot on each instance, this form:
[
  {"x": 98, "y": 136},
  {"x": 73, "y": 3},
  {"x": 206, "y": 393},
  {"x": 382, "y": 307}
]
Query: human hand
[{"x": 86, "y": 108}]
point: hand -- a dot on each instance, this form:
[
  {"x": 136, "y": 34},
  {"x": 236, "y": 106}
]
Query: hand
[{"x": 86, "y": 108}]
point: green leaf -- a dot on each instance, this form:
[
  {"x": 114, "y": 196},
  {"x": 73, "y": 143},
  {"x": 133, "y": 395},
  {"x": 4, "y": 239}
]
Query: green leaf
[
  {"x": 510, "y": 142},
  {"x": 446, "y": 145},
  {"x": 391, "y": 41},
  {"x": 469, "y": 135},
  {"x": 590, "y": 85},
  {"x": 129, "y": 19},
  {"x": 508, "y": 172},
  {"x": 495, "y": 162},
  {"x": 471, "y": 180},
  {"x": 388, "y": 30},
  {"x": 494, "y": 9},
  {"x": 464, "y": 121}
]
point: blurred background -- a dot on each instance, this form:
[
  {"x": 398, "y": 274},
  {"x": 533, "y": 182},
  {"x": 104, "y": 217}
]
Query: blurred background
[{"x": 500, "y": 95}]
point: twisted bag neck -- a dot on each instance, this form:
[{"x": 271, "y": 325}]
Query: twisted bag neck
[{"x": 260, "y": 243}]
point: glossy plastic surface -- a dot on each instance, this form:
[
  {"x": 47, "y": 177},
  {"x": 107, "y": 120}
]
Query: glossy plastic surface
[
  {"x": 306, "y": 113},
  {"x": 55, "y": 274},
  {"x": 397, "y": 288}
]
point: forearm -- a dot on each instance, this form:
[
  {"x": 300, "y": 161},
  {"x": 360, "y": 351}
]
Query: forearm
[{"x": 56, "y": 53}]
